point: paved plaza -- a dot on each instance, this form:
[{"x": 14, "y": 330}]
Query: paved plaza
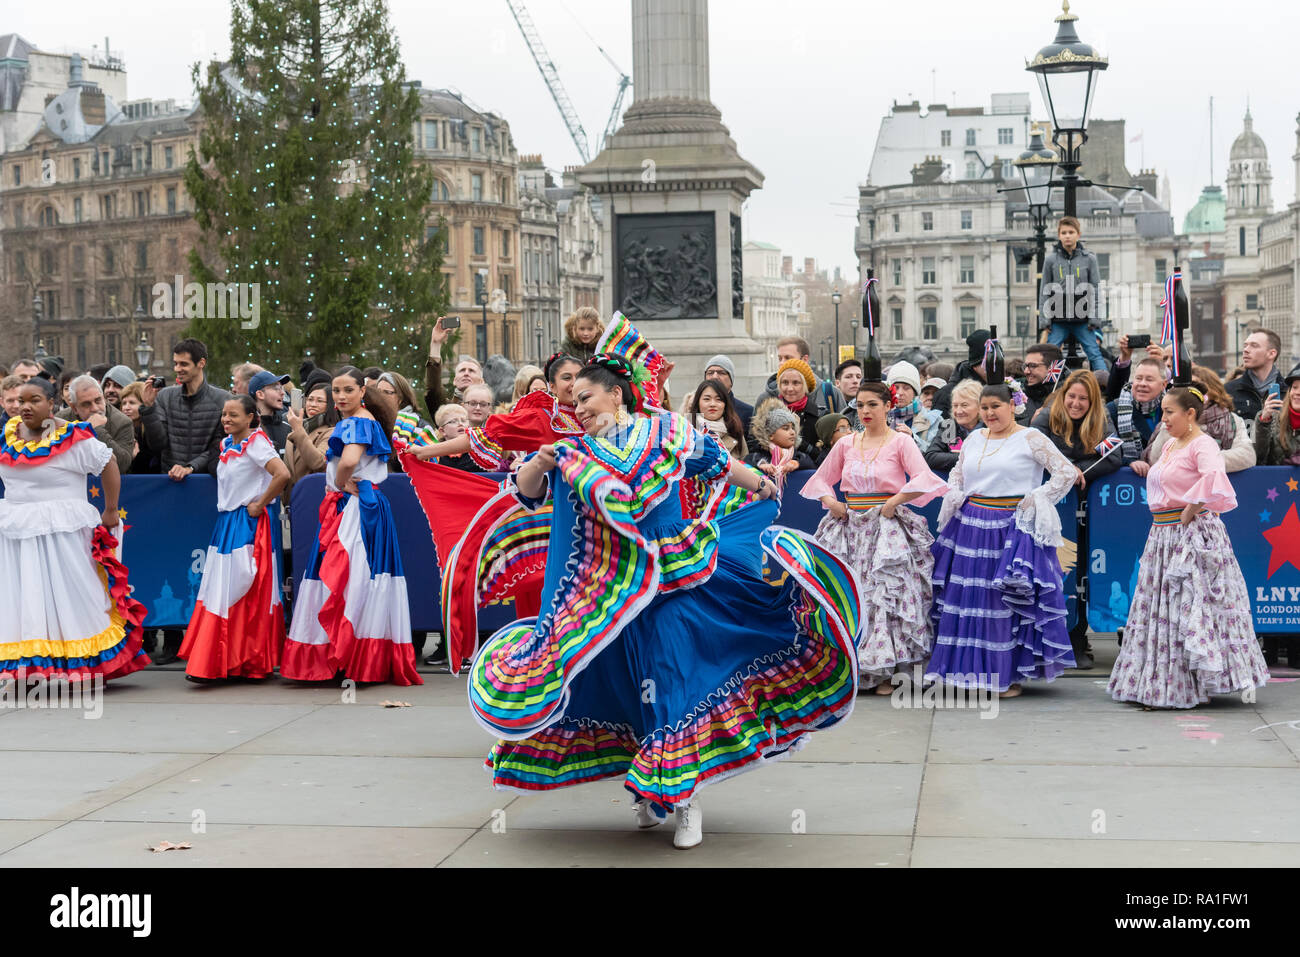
[{"x": 276, "y": 774}]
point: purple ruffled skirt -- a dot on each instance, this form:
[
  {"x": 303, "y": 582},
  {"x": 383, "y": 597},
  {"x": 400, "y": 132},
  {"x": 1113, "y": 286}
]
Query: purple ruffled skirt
[{"x": 999, "y": 604}]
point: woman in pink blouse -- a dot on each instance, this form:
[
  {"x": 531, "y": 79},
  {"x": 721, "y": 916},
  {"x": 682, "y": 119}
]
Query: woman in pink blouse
[
  {"x": 887, "y": 544},
  {"x": 1190, "y": 633}
]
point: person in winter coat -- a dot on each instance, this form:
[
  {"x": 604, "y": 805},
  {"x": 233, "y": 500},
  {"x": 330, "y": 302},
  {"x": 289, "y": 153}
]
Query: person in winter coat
[
  {"x": 823, "y": 395},
  {"x": 796, "y": 383},
  {"x": 1068, "y": 294},
  {"x": 775, "y": 431},
  {"x": 1277, "y": 427},
  {"x": 908, "y": 415},
  {"x": 582, "y": 331},
  {"x": 721, "y": 367},
  {"x": 183, "y": 421},
  {"x": 971, "y": 369},
  {"x": 1137, "y": 411},
  {"x": 1259, "y": 356},
  {"x": 944, "y": 451}
]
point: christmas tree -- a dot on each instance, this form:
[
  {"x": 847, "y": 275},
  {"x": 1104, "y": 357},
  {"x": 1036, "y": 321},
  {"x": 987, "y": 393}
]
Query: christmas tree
[{"x": 306, "y": 184}]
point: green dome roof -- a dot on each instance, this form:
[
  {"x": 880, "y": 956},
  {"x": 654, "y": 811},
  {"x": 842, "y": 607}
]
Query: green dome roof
[{"x": 1208, "y": 215}]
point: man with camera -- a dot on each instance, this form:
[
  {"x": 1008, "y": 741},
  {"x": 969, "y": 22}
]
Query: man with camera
[{"x": 183, "y": 421}]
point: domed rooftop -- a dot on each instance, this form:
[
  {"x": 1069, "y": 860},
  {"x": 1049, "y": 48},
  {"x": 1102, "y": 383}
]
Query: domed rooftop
[
  {"x": 1249, "y": 145},
  {"x": 1209, "y": 213}
]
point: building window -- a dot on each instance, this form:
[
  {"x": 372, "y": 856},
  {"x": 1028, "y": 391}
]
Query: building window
[
  {"x": 1022, "y": 273},
  {"x": 476, "y": 187},
  {"x": 1103, "y": 266},
  {"x": 171, "y": 200},
  {"x": 505, "y": 244},
  {"x": 49, "y": 217},
  {"x": 106, "y": 206},
  {"x": 1252, "y": 302},
  {"x": 476, "y": 139},
  {"x": 929, "y": 323},
  {"x": 478, "y": 241},
  {"x": 51, "y": 300},
  {"x": 898, "y": 323},
  {"x": 1008, "y": 170},
  {"x": 972, "y": 171},
  {"x": 897, "y": 223},
  {"x": 169, "y": 157},
  {"x": 967, "y": 321},
  {"x": 970, "y": 137},
  {"x": 18, "y": 175},
  {"x": 1241, "y": 239},
  {"x": 927, "y": 222},
  {"x": 967, "y": 270},
  {"x": 945, "y": 137},
  {"x": 76, "y": 210},
  {"x": 1022, "y": 321},
  {"x": 967, "y": 219},
  {"x": 138, "y": 158},
  {"x": 898, "y": 272},
  {"x": 78, "y": 260},
  {"x": 18, "y": 215},
  {"x": 430, "y": 134},
  {"x": 76, "y": 167},
  {"x": 105, "y": 167},
  {"x": 1005, "y": 133},
  {"x": 140, "y": 202},
  {"x": 927, "y": 271},
  {"x": 48, "y": 262},
  {"x": 1162, "y": 270},
  {"x": 79, "y": 298},
  {"x": 439, "y": 194},
  {"x": 20, "y": 263},
  {"x": 141, "y": 256},
  {"x": 110, "y": 261}
]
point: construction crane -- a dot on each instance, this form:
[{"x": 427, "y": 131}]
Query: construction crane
[{"x": 546, "y": 66}]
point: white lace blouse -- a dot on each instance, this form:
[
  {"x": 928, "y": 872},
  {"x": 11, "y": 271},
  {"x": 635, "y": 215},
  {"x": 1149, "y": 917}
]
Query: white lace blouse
[{"x": 1011, "y": 467}]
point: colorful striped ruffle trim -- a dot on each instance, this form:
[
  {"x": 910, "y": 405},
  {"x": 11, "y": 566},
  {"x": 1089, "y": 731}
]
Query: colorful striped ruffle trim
[
  {"x": 486, "y": 453},
  {"x": 864, "y": 503},
  {"x": 998, "y": 504},
  {"x": 1167, "y": 516},
  {"x": 19, "y": 452},
  {"x": 759, "y": 715},
  {"x": 407, "y": 428}
]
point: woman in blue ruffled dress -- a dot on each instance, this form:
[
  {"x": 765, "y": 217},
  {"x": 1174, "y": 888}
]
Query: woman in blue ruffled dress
[{"x": 662, "y": 656}]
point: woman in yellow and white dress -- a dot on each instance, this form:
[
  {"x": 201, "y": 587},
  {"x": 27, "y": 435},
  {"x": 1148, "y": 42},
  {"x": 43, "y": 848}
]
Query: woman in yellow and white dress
[{"x": 68, "y": 610}]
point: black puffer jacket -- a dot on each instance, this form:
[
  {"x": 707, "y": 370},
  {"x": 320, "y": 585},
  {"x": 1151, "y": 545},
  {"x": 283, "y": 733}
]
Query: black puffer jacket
[{"x": 186, "y": 429}]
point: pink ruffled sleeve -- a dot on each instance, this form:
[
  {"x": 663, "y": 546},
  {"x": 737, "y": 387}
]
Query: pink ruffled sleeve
[
  {"x": 919, "y": 477},
  {"x": 828, "y": 474},
  {"x": 1212, "y": 489}
]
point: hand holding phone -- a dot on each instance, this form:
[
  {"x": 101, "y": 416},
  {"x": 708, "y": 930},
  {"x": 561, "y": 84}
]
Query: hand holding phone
[
  {"x": 451, "y": 322},
  {"x": 1136, "y": 342},
  {"x": 1274, "y": 390}
]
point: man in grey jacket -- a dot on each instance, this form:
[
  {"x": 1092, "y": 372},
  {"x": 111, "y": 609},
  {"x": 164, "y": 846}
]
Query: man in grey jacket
[
  {"x": 1068, "y": 298},
  {"x": 183, "y": 421},
  {"x": 111, "y": 427}
]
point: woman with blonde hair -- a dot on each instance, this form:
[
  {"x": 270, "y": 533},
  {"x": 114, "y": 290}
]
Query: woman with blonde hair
[{"x": 1218, "y": 421}]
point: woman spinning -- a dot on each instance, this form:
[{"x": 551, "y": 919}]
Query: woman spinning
[
  {"x": 68, "y": 610},
  {"x": 662, "y": 655}
]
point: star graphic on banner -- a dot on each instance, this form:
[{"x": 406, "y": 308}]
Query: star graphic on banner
[
  {"x": 1265, "y": 516},
  {"x": 1285, "y": 539},
  {"x": 121, "y": 513},
  {"x": 1272, "y": 495},
  {"x": 94, "y": 491},
  {"x": 1293, "y": 485}
]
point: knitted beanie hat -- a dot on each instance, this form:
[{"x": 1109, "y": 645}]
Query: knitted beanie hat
[
  {"x": 803, "y": 368},
  {"x": 779, "y": 416},
  {"x": 827, "y": 425}
]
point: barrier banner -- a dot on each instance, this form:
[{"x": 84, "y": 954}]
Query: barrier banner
[{"x": 1264, "y": 529}]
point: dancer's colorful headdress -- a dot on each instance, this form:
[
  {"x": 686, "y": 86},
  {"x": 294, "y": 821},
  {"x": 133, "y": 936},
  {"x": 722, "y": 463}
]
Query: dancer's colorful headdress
[{"x": 624, "y": 340}]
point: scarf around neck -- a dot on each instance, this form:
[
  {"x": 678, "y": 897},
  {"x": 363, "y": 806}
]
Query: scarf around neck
[
  {"x": 1125, "y": 406},
  {"x": 799, "y": 406}
]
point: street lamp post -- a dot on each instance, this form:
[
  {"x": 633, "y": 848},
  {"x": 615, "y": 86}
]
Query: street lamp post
[
  {"x": 483, "y": 301},
  {"x": 1067, "y": 71},
  {"x": 1036, "y": 165},
  {"x": 37, "y": 308},
  {"x": 143, "y": 353},
  {"x": 853, "y": 331},
  {"x": 835, "y": 298}
]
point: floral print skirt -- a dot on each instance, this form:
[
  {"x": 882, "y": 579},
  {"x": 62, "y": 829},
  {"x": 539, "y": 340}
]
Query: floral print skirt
[
  {"x": 1190, "y": 633},
  {"x": 893, "y": 561}
]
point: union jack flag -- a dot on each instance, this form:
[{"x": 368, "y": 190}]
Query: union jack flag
[
  {"x": 1109, "y": 445},
  {"x": 1056, "y": 371}
]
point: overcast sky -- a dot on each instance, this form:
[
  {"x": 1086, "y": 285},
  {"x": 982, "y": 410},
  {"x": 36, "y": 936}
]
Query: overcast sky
[{"x": 803, "y": 85}]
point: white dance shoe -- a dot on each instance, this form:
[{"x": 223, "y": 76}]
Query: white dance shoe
[{"x": 690, "y": 826}]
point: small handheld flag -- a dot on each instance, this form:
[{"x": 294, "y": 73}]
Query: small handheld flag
[
  {"x": 1056, "y": 371},
  {"x": 1105, "y": 448}
]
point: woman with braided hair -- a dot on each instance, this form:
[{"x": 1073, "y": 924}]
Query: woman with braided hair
[
  {"x": 537, "y": 419},
  {"x": 633, "y": 670},
  {"x": 1190, "y": 632}
]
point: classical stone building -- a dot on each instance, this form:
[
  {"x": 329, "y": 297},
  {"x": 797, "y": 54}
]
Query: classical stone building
[
  {"x": 93, "y": 213},
  {"x": 476, "y": 199},
  {"x": 29, "y": 77},
  {"x": 1279, "y": 270},
  {"x": 582, "y": 263}
]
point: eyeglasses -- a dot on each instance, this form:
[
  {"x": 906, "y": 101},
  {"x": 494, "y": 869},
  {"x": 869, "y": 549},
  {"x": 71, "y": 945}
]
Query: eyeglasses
[
  {"x": 478, "y": 405},
  {"x": 1034, "y": 365}
]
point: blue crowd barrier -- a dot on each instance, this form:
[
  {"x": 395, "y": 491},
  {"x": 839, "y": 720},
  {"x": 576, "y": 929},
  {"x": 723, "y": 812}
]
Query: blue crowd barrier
[
  {"x": 1264, "y": 530},
  {"x": 168, "y": 526}
]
